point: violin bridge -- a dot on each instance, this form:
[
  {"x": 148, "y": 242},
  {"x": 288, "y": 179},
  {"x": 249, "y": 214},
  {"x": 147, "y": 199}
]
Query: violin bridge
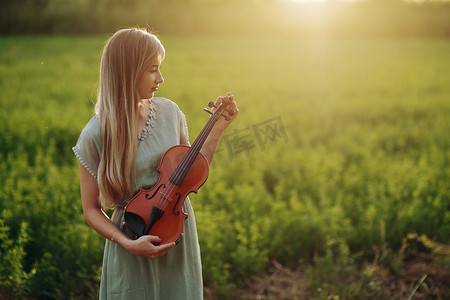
[{"x": 167, "y": 197}]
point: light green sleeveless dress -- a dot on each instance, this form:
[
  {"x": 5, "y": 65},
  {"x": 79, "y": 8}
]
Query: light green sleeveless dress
[{"x": 177, "y": 274}]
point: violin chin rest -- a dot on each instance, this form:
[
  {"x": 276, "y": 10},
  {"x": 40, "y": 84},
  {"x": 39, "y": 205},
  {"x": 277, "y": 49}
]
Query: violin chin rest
[{"x": 135, "y": 223}]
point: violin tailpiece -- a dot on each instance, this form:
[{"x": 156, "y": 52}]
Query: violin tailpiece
[{"x": 155, "y": 215}]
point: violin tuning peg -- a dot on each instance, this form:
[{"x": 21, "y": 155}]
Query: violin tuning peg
[
  {"x": 208, "y": 111},
  {"x": 227, "y": 117},
  {"x": 231, "y": 112},
  {"x": 211, "y": 104}
]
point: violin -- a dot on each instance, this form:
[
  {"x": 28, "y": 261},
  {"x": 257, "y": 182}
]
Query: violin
[{"x": 183, "y": 169}]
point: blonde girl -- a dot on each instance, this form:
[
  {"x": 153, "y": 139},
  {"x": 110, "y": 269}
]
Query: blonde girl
[{"x": 118, "y": 152}]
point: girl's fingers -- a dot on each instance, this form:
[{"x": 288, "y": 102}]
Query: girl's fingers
[
  {"x": 152, "y": 239},
  {"x": 162, "y": 249},
  {"x": 153, "y": 248},
  {"x": 165, "y": 247}
]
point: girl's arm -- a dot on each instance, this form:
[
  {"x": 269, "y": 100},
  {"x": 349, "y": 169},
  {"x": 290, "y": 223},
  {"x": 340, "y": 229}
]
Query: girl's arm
[
  {"x": 210, "y": 145},
  {"x": 100, "y": 222}
]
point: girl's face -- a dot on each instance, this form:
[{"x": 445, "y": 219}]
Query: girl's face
[{"x": 149, "y": 81}]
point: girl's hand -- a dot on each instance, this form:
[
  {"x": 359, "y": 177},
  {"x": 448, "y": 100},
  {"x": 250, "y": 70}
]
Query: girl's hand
[
  {"x": 147, "y": 246},
  {"x": 221, "y": 123}
]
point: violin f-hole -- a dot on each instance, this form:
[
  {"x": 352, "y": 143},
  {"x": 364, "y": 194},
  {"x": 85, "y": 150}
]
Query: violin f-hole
[
  {"x": 176, "y": 213},
  {"x": 150, "y": 197}
]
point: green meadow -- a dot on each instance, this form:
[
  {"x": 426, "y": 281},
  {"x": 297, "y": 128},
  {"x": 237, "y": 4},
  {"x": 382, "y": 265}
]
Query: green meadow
[{"x": 338, "y": 163}]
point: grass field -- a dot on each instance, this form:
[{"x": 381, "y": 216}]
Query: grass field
[{"x": 340, "y": 156}]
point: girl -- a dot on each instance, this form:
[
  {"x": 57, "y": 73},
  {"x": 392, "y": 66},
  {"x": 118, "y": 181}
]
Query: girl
[{"x": 118, "y": 152}]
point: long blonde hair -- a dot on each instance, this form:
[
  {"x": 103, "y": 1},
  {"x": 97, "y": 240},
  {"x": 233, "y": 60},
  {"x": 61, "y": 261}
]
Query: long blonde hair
[{"x": 127, "y": 54}]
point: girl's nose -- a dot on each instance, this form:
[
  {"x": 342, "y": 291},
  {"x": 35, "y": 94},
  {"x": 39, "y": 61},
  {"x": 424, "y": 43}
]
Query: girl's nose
[{"x": 160, "y": 78}]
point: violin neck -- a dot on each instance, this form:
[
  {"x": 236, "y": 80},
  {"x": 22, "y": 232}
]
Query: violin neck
[{"x": 186, "y": 163}]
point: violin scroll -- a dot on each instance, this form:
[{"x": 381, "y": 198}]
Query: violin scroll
[{"x": 225, "y": 102}]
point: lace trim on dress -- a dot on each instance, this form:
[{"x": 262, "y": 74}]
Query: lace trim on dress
[
  {"x": 80, "y": 158},
  {"x": 150, "y": 122}
]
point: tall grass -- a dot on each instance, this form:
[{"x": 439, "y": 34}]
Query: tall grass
[{"x": 365, "y": 147}]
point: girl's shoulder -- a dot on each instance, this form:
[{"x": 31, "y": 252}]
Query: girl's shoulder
[
  {"x": 93, "y": 128},
  {"x": 164, "y": 103}
]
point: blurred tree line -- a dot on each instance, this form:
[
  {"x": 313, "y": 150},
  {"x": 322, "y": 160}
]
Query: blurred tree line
[{"x": 334, "y": 17}]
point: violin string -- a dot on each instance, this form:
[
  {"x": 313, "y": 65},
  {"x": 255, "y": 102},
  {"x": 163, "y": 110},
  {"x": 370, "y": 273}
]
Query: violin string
[
  {"x": 185, "y": 163},
  {"x": 162, "y": 201},
  {"x": 191, "y": 155},
  {"x": 196, "y": 148}
]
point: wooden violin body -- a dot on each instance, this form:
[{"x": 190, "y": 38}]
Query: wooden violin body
[
  {"x": 183, "y": 169},
  {"x": 166, "y": 196}
]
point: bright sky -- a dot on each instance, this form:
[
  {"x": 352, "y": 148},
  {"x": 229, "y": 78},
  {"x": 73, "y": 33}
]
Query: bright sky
[{"x": 308, "y": 1}]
